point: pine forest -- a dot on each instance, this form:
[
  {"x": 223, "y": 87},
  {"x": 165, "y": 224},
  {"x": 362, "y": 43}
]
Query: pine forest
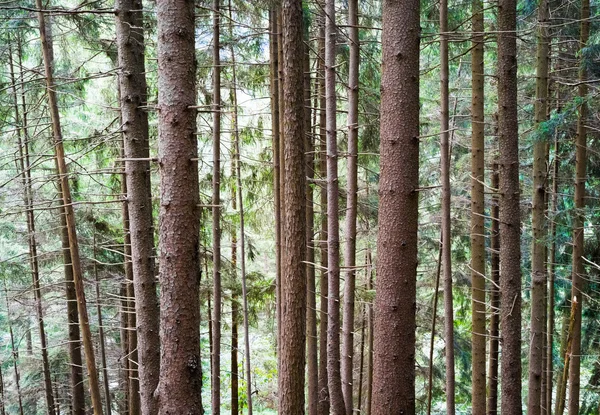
[{"x": 379, "y": 207}]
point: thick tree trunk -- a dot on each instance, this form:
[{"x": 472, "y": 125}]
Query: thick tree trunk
[
  {"x": 538, "y": 222},
  {"x": 478, "y": 338},
  {"x": 133, "y": 97},
  {"x": 351, "y": 209},
  {"x": 216, "y": 214},
  {"x": 179, "y": 388},
  {"x": 577, "y": 277},
  {"x": 334, "y": 381},
  {"x": 70, "y": 217},
  {"x": 293, "y": 299},
  {"x": 395, "y": 299},
  {"x": 510, "y": 213},
  {"x": 324, "y": 285},
  {"x": 492, "y": 397},
  {"x": 446, "y": 226}
]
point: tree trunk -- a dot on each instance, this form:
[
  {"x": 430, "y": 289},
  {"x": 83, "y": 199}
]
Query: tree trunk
[
  {"x": 311, "y": 301},
  {"x": 324, "y": 285},
  {"x": 124, "y": 358},
  {"x": 510, "y": 224},
  {"x": 25, "y": 173},
  {"x": 446, "y": 226},
  {"x": 333, "y": 226},
  {"x": 351, "y": 209},
  {"x": 180, "y": 387},
  {"x": 370, "y": 337},
  {"x": 293, "y": 299},
  {"x": 478, "y": 339},
  {"x": 492, "y": 397},
  {"x": 70, "y": 217},
  {"x": 538, "y": 222},
  {"x": 133, "y": 97},
  {"x": 14, "y": 350},
  {"x": 395, "y": 299},
  {"x": 102, "y": 340},
  {"x": 234, "y": 307},
  {"x": 577, "y": 276},
  {"x": 216, "y": 213},
  {"x": 433, "y": 324}
]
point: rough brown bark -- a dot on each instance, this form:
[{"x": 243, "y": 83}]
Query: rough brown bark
[
  {"x": 446, "y": 226},
  {"x": 577, "y": 278},
  {"x": 370, "y": 337},
  {"x": 510, "y": 224},
  {"x": 395, "y": 299},
  {"x": 293, "y": 289},
  {"x": 124, "y": 358},
  {"x": 179, "y": 387},
  {"x": 492, "y": 397},
  {"x": 478, "y": 339},
  {"x": 351, "y": 209},
  {"x": 133, "y": 97},
  {"x": 216, "y": 214},
  {"x": 334, "y": 380},
  {"x": 324, "y": 285},
  {"x": 70, "y": 217},
  {"x": 538, "y": 222}
]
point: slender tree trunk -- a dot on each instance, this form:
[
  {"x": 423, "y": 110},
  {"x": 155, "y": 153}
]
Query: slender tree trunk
[
  {"x": 14, "y": 350},
  {"x": 551, "y": 277},
  {"x": 324, "y": 284},
  {"x": 361, "y": 364},
  {"x": 311, "y": 301},
  {"x": 333, "y": 226},
  {"x": 216, "y": 212},
  {"x": 370, "y": 337},
  {"x": 235, "y": 408},
  {"x": 568, "y": 356},
  {"x": 577, "y": 277},
  {"x": 492, "y": 397},
  {"x": 133, "y": 96},
  {"x": 293, "y": 306},
  {"x": 70, "y": 218},
  {"x": 124, "y": 359},
  {"x": 538, "y": 221},
  {"x": 478, "y": 339},
  {"x": 2, "y": 396},
  {"x": 446, "y": 226},
  {"x": 102, "y": 339},
  {"x": 395, "y": 299},
  {"x": 24, "y": 165},
  {"x": 510, "y": 224},
  {"x": 351, "y": 209},
  {"x": 180, "y": 387},
  {"x": 433, "y": 324}
]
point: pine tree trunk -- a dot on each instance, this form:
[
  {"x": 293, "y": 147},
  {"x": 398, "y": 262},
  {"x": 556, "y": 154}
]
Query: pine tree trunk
[
  {"x": 124, "y": 358},
  {"x": 446, "y": 226},
  {"x": 538, "y": 222},
  {"x": 478, "y": 339},
  {"x": 510, "y": 224},
  {"x": 216, "y": 214},
  {"x": 577, "y": 277},
  {"x": 395, "y": 299},
  {"x": 293, "y": 299},
  {"x": 492, "y": 397},
  {"x": 14, "y": 350},
  {"x": 351, "y": 209},
  {"x": 333, "y": 226},
  {"x": 180, "y": 387},
  {"x": 70, "y": 217},
  {"x": 322, "y": 162},
  {"x": 133, "y": 97},
  {"x": 370, "y": 337},
  {"x": 234, "y": 309}
]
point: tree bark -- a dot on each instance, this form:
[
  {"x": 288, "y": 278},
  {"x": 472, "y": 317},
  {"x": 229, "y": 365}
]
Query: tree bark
[
  {"x": 334, "y": 380},
  {"x": 70, "y": 217},
  {"x": 216, "y": 214},
  {"x": 179, "y": 388},
  {"x": 133, "y": 97},
  {"x": 293, "y": 299},
  {"x": 395, "y": 299},
  {"x": 577, "y": 278},
  {"x": 510, "y": 224},
  {"x": 538, "y": 222},
  {"x": 14, "y": 351},
  {"x": 351, "y": 209},
  {"x": 492, "y": 397},
  {"x": 478, "y": 339}
]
